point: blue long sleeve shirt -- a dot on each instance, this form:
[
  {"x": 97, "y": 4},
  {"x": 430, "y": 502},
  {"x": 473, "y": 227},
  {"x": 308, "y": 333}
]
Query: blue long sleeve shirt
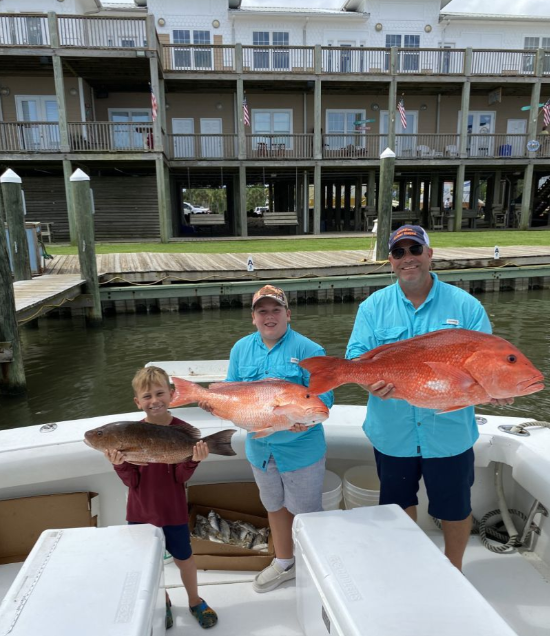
[
  {"x": 251, "y": 360},
  {"x": 395, "y": 427}
]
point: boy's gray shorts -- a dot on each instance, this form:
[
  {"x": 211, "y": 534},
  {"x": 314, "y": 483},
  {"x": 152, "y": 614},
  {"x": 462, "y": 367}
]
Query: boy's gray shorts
[{"x": 296, "y": 490}]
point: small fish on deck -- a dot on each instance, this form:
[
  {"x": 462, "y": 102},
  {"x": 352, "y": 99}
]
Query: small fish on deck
[
  {"x": 446, "y": 370},
  {"x": 263, "y": 406},
  {"x": 144, "y": 443}
]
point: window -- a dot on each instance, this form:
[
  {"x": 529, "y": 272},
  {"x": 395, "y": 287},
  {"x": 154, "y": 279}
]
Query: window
[
  {"x": 281, "y": 58},
  {"x": 182, "y": 57},
  {"x": 203, "y": 56},
  {"x": 34, "y": 31},
  {"x": 275, "y": 59},
  {"x": 532, "y": 44},
  {"x": 411, "y": 61},
  {"x": 261, "y": 58},
  {"x": 271, "y": 129},
  {"x": 393, "y": 40},
  {"x": 342, "y": 129},
  {"x": 127, "y": 136},
  {"x": 406, "y": 62}
]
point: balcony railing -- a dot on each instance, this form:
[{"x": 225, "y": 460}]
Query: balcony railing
[
  {"x": 203, "y": 58},
  {"x": 512, "y": 62},
  {"x": 24, "y": 30},
  {"x": 347, "y": 59},
  {"x": 195, "y": 147},
  {"x": 282, "y": 146},
  {"x": 109, "y": 136},
  {"x": 429, "y": 61},
  {"x": 98, "y": 32},
  {"x": 39, "y": 136},
  {"x": 499, "y": 146},
  {"x": 278, "y": 59}
]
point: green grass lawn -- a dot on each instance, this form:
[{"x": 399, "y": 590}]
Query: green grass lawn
[{"x": 438, "y": 239}]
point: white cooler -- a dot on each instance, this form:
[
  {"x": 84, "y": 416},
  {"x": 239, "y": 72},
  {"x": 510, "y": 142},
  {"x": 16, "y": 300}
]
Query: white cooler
[
  {"x": 373, "y": 571},
  {"x": 90, "y": 582}
]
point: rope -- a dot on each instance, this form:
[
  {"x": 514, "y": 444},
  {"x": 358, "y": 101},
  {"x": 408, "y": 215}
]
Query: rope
[
  {"x": 520, "y": 427},
  {"x": 45, "y": 254},
  {"x": 512, "y": 543}
]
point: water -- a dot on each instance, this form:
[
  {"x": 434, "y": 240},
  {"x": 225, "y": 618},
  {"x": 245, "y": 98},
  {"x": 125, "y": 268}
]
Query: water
[{"x": 75, "y": 372}]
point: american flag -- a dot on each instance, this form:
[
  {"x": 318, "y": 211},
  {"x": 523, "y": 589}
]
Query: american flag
[
  {"x": 546, "y": 113},
  {"x": 401, "y": 109},
  {"x": 154, "y": 105},
  {"x": 246, "y": 114}
]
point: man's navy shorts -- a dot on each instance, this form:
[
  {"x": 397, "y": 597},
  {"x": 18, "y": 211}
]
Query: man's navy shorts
[
  {"x": 178, "y": 540},
  {"x": 448, "y": 482}
]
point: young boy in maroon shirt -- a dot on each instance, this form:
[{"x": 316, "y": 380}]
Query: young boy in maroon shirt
[{"x": 157, "y": 491}]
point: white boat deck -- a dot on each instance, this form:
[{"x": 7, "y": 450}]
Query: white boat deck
[
  {"x": 517, "y": 586},
  {"x": 508, "y": 582}
]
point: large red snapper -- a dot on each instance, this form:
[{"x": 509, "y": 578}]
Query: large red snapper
[
  {"x": 144, "y": 443},
  {"x": 444, "y": 370},
  {"x": 262, "y": 406}
]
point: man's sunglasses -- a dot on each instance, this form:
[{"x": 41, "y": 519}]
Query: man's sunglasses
[{"x": 399, "y": 252}]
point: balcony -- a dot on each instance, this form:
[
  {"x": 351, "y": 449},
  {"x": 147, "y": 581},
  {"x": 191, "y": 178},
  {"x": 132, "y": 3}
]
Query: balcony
[
  {"x": 29, "y": 30},
  {"x": 93, "y": 32},
  {"x": 121, "y": 137},
  {"x": 108, "y": 33},
  {"x": 280, "y": 146},
  {"x": 198, "y": 58},
  {"x": 44, "y": 137},
  {"x": 100, "y": 32},
  {"x": 351, "y": 60},
  {"x": 278, "y": 59},
  {"x": 197, "y": 147}
]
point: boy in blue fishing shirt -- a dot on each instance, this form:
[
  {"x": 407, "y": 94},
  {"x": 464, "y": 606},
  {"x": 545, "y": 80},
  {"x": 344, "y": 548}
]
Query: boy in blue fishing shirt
[{"x": 288, "y": 466}]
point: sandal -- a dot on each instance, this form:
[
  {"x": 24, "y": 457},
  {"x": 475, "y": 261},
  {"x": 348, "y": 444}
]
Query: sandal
[
  {"x": 169, "y": 620},
  {"x": 206, "y": 616}
]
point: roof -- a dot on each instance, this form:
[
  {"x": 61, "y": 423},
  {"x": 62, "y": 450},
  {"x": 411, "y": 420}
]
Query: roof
[
  {"x": 492, "y": 17},
  {"x": 294, "y": 11},
  {"x": 353, "y": 5}
]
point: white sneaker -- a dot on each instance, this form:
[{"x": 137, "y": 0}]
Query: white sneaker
[
  {"x": 272, "y": 577},
  {"x": 168, "y": 558}
]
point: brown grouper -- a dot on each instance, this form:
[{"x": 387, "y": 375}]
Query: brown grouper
[{"x": 144, "y": 443}]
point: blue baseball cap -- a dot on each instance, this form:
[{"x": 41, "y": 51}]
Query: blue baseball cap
[{"x": 412, "y": 232}]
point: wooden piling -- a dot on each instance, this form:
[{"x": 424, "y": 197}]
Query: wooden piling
[
  {"x": 12, "y": 372},
  {"x": 15, "y": 218},
  {"x": 387, "y": 166},
  {"x": 82, "y": 202}
]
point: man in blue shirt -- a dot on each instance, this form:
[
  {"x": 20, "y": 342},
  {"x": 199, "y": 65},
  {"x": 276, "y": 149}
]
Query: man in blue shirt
[
  {"x": 288, "y": 466},
  {"x": 410, "y": 442}
]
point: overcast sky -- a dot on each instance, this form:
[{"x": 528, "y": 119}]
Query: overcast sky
[
  {"x": 506, "y": 7},
  {"x": 518, "y": 7}
]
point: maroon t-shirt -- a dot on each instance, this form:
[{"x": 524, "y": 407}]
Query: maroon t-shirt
[{"x": 156, "y": 492}]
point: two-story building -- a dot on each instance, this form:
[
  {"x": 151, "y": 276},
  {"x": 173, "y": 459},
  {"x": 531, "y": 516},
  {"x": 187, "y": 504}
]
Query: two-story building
[{"x": 301, "y": 100}]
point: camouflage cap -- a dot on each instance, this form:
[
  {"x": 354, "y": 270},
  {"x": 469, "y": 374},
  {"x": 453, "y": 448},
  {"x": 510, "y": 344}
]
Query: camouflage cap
[{"x": 270, "y": 291}]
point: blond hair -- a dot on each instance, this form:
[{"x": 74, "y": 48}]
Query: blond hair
[{"x": 147, "y": 377}]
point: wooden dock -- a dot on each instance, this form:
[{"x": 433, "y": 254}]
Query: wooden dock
[
  {"x": 144, "y": 282},
  {"x": 42, "y": 294},
  {"x": 150, "y": 267}
]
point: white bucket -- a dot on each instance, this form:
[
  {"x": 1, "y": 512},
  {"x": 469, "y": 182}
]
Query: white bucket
[
  {"x": 361, "y": 487},
  {"x": 332, "y": 491}
]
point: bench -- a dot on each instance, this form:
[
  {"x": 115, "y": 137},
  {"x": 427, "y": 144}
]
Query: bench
[
  {"x": 46, "y": 230},
  {"x": 207, "y": 219},
  {"x": 404, "y": 217},
  {"x": 280, "y": 218}
]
